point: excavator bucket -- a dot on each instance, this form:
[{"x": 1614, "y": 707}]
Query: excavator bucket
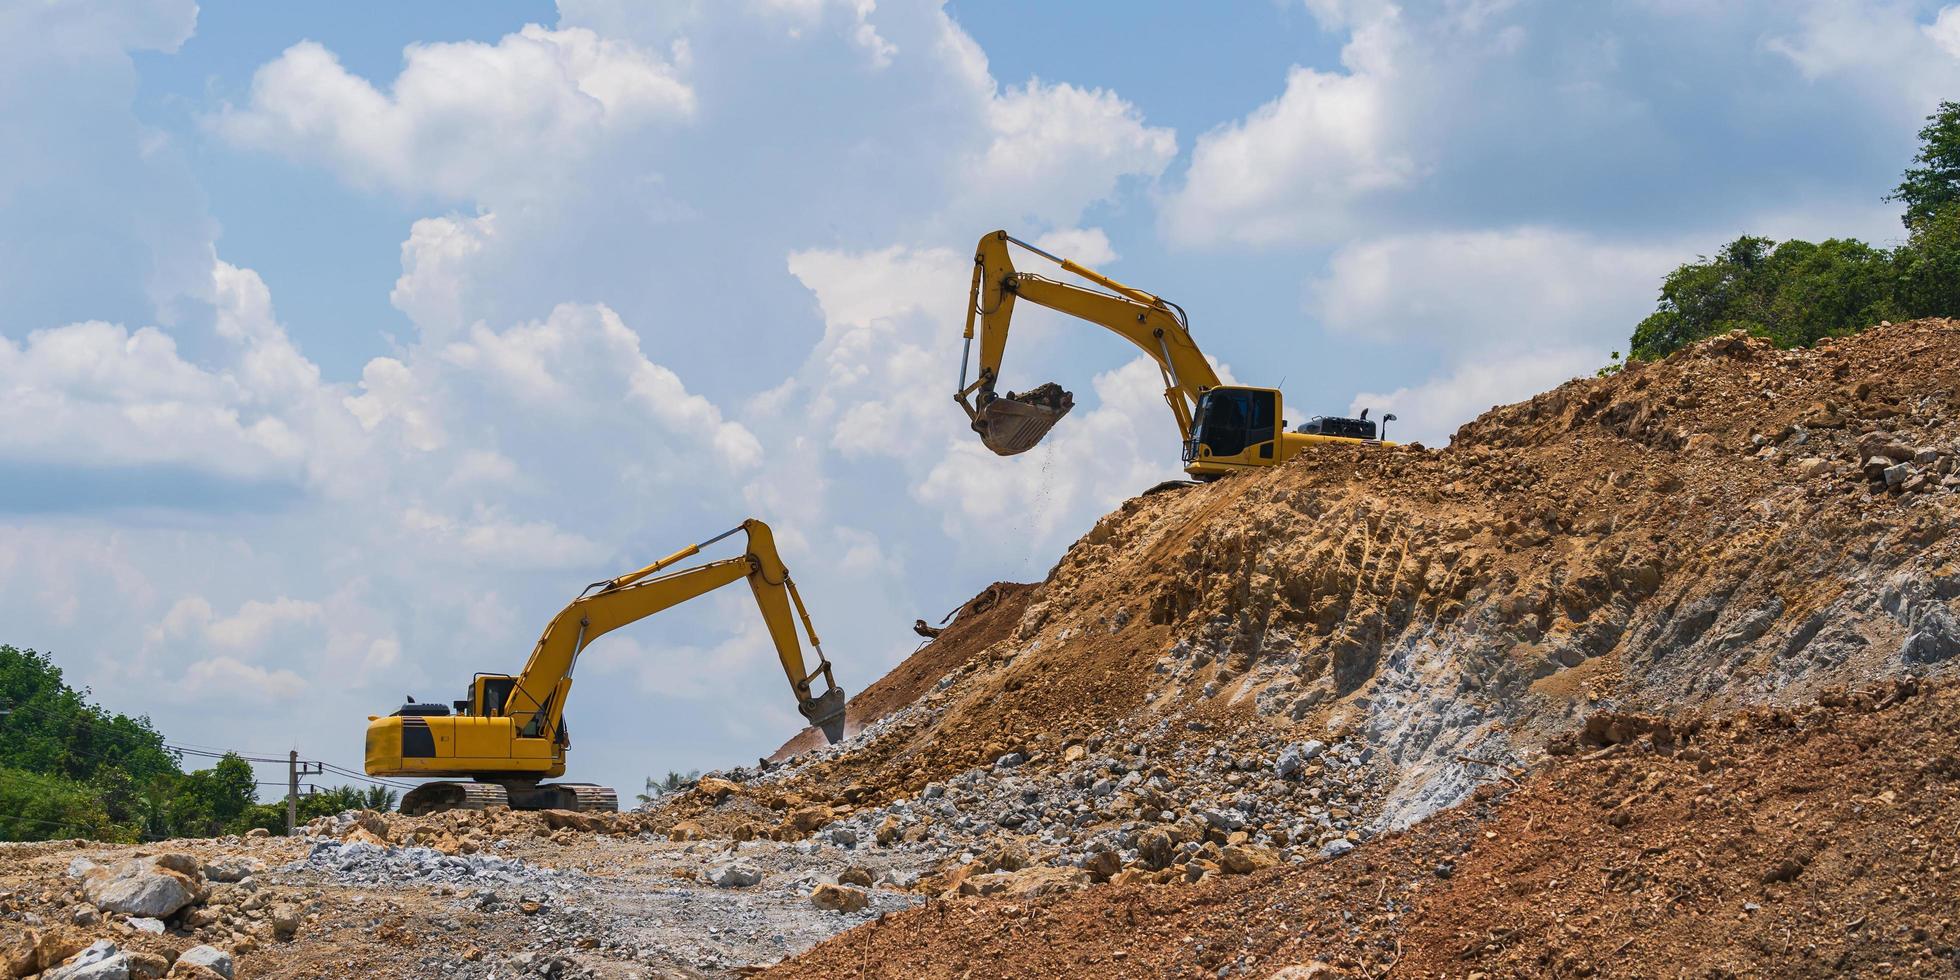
[
  {"x": 1015, "y": 423},
  {"x": 827, "y": 714}
]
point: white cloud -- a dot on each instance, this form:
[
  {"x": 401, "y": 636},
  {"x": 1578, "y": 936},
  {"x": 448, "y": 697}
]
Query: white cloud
[
  {"x": 390, "y": 394},
  {"x": 96, "y": 394},
  {"x": 1512, "y": 312},
  {"x": 1945, "y": 30},
  {"x": 563, "y": 364},
  {"x": 1868, "y": 43},
  {"x": 436, "y": 271},
  {"x": 1294, "y": 168},
  {"x": 1056, "y": 149},
  {"x": 462, "y": 118},
  {"x": 227, "y": 679},
  {"x": 191, "y": 618},
  {"x": 1431, "y": 411},
  {"x": 492, "y": 537},
  {"x": 1089, "y": 246},
  {"x": 1105, "y": 451},
  {"x": 1511, "y": 289},
  {"x": 807, "y": 14},
  {"x": 889, "y": 331}
]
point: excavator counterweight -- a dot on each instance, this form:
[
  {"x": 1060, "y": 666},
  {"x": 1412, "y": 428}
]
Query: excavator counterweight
[{"x": 509, "y": 734}]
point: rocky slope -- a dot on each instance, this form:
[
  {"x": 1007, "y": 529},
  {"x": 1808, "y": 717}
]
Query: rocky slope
[{"x": 1732, "y": 525}]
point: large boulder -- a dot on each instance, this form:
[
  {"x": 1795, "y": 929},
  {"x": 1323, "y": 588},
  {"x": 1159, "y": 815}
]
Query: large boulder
[
  {"x": 839, "y": 898},
  {"x": 209, "y": 957},
  {"x": 17, "y": 950},
  {"x": 737, "y": 875},
  {"x": 1241, "y": 859},
  {"x": 232, "y": 869},
  {"x": 715, "y": 789},
  {"x": 101, "y": 961},
  {"x": 152, "y": 887}
]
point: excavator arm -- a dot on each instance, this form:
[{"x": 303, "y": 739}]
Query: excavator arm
[
  {"x": 537, "y": 701},
  {"x": 1011, "y": 423}
]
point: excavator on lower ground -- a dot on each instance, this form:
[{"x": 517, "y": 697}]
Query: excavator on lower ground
[
  {"x": 1224, "y": 428},
  {"x": 508, "y": 735}
]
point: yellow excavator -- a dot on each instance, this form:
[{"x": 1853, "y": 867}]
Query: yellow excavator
[
  {"x": 508, "y": 734},
  {"x": 1223, "y": 427}
]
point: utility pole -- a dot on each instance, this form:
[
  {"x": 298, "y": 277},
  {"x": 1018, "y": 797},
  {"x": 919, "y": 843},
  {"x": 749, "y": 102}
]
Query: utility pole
[{"x": 294, "y": 770}]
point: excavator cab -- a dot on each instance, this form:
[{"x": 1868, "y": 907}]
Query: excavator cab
[
  {"x": 1235, "y": 426},
  {"x": 487, "y": 695}
]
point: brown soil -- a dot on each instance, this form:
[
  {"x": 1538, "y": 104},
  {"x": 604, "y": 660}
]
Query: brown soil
[
  {"x": 976, "y": 625},
  {"x": 1811, "y": 843}
]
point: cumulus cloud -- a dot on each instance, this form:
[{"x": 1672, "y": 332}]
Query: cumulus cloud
[
  {"x": 1092, "y": 460},
  {"x": 1089, "y": 246},
  {"x": 1945, "y": 30},
  {"x": 461, "y": 117},
  {"x": 1511, "y": 311},
  {"x": 99, "y": 395},
  {"x": 227, "y": 680},
  {"x": 558, "y": 363},
  {"x": 492, "y": 537},
  {"x": 1866, "y": 43},
  {"x": 1292, "y": 168},
  {"x": 803, "y": 15},
  {"x": 1501, "y": 289},
  {"x": 436, "y": 274},
  {"x": 1429, "y": 412},
  {"x": 1057, "y": 149}
]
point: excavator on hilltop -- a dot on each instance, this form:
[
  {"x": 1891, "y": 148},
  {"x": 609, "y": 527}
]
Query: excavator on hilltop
[
  {"x": 1223, "y": 427},
  {"x": 509, "y": 734}
]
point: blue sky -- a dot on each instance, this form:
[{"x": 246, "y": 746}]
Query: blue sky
[{"x": 343, "y": 344}]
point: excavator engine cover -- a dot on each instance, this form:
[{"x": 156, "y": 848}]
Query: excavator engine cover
[{"x": 1015, "y": 423}]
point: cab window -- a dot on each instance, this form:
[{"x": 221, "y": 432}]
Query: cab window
[{"x": 1232, "y": 420}]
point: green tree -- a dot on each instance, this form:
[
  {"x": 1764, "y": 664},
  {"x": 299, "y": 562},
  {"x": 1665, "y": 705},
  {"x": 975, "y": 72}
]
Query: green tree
[
  {"x": 51, "y": 728},
  {"x": 673, "y": 781},
  {"x": 1928, "y": 277},
  {"x": 40, "y": 807},
  {"x": 1934, "y": 184},
  {"x": 212, "y": 801},
  {"x": 1795, "y": 294}
]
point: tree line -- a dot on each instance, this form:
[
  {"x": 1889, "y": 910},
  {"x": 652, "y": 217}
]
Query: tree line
[
  {"x": 69, "y": 768},
  {"x": 1796, "y": 293}
]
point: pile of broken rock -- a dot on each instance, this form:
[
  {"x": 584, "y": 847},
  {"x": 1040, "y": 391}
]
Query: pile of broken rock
[{"x": 145, "y": 896}]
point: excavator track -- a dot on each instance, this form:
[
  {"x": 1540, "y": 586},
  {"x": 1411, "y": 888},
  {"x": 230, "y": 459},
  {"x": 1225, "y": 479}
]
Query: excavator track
[
  {"x": 517, "y": 794},
  {"x": 592, "y": 799},
  {"x": 436, "y": 797}
]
